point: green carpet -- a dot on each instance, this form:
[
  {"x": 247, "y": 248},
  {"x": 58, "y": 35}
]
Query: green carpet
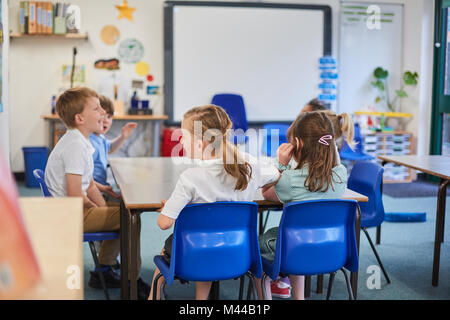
[{"x": 406, "y": 250}]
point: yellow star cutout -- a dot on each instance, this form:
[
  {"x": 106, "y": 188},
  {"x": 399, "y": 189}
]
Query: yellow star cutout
[{"x": 125, "y": 11}]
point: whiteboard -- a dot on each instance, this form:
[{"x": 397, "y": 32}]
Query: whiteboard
[
  {"x": 361, "y": 50},
  {"x": 265, "y": 53}
]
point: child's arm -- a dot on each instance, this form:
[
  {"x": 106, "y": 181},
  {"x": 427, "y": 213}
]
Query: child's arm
[
  {"x": 164, "y": 222},
  {"x": 106, "y": 189},
  {"x": 126, "y": 132},
  {"x": 94, "y": 195},
  {"x": 268, "y": 193},
  {"x": 73, "y": 187}
]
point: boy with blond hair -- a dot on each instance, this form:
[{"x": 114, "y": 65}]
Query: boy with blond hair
[{"x": 69, "y": 173}]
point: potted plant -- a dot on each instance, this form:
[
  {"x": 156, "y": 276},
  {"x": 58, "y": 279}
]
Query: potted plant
[{"x": 380, "y": 83}]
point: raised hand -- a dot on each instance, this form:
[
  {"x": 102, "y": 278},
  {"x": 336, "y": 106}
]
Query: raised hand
[
  {"x": 284, "y": 153},
  {"x": 128, "y": 129}
]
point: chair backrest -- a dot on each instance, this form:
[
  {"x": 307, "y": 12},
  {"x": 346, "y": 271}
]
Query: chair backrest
[
  {"x": 316, "y": 237},
  {"x": 366, "y": 178},
  {"x": 40, "y": 178},
  {"x": 215, "y": 241},
  {"x": 234, "y": 106},
  {"x": 280, "y": 129}
]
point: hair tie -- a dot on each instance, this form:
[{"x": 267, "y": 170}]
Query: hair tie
[{"x": 323, "y": 139}]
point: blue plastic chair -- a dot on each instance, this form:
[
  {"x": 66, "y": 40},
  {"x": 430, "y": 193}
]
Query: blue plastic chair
[
  {"x": 280, "y": 129},
  {"x": 234, "y": 106},
  {"x": 87, "y": 237},
  {"x": 366, "y": 178},
  {"x": 212, "y": 242},
  {"x": 315, "y": 237},
  {"x": 357, "y": 154}
]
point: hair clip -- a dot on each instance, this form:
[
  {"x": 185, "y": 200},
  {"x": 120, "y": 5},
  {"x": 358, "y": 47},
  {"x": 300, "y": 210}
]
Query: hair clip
[{"x": 323, "y": 139}]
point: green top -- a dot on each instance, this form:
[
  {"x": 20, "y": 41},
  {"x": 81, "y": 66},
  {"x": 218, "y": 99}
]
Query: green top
[{"x": 291, "y": 186}]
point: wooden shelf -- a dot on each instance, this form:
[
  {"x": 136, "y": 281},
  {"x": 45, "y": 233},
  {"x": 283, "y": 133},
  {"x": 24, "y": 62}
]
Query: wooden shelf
[
  {"x": 123, "y": 117},
  {"x": 386, "y": 114},
  {"x": 74, "y": 36}
]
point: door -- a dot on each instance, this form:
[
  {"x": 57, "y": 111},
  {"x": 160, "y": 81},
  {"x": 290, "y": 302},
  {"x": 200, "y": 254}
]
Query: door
[{"x": 440, "y": 126}]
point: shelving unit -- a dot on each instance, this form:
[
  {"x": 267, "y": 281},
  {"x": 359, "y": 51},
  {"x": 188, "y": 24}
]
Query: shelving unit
[
  {"x": 73, "y": 36},
  {"x": 390, "y": 143}
]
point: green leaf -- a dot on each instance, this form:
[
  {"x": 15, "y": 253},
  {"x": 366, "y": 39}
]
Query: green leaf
[
  {"x": 378, "y": 99},
  {"x": 380, "y": 73},
  {"x": 401, "y": 93},
  {"x": 378, "y": 84},
  {"x": 410, "y": 78}
]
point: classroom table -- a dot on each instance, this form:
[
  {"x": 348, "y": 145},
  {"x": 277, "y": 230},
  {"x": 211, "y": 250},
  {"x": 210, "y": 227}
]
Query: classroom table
[
  {"x": 438, "y": 166},
  {"x": 156, "y": 119},
  {"x": 55, "y": 228},
  {"x": 143, "y": 183}
]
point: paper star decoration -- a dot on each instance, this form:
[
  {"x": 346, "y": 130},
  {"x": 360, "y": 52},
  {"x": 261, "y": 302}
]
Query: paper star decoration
[{"x": 125, "y": 11}]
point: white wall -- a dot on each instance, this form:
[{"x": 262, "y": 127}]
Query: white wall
[
  {"x": 4, "y": 116},
  {"x": 35, "y": 63}
]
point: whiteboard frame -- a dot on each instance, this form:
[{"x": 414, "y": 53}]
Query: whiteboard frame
[{"x": 168, "y": 40}]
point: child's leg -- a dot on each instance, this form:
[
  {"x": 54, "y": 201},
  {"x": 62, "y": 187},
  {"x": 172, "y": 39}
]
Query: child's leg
[
  {"x": 298, "y": 287},
  {"x": 267, "y": 288},
  {"x": 104, "y": 219},
  {"x": 202, "y": 289},
  {"x": 158, "y": 285},
  {"x": 108, "y": 219}
]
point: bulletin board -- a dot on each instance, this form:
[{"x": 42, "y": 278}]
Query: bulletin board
[{"x": 267, "y": 52}]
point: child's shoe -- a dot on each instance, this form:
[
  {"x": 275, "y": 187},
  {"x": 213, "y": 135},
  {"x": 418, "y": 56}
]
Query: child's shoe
[
  {"x": 112, "y": 279},
  {"x": 280, "y": 289}
]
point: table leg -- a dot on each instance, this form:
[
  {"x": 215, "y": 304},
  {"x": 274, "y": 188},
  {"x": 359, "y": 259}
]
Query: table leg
[
  {"x": 354, "y": 275},
  {"x": 319, "y": 288},
  {"x": 307, "y": 286},
  {"x": 133, "y": 255},
  {"x": 123, "y": 251},
  {"x": 214, "y": 291},
  {"x": 439, "y": 232},
  {"x": 261, "y": 214},
  {"x": 156, "y": 138}
]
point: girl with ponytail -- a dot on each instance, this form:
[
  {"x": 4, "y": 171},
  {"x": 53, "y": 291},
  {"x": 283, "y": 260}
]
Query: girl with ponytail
[
  {"x": 310, "y": 170},
  {"x": 220, "y": 173}
]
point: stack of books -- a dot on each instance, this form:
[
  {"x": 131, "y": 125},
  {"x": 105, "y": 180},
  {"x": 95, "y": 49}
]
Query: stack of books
[{"x": 43, "y": 17}]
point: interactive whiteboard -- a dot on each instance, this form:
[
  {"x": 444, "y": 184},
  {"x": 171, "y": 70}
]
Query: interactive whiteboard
[{"x": 268, "y": 53}]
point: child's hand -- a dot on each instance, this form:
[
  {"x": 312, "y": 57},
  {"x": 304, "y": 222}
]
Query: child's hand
[
  {"x": 109, "y": 190},
  {"x": 284, "y": 153},
  {"x": 128, "y": 129},
  {"x": 163, "y": 202}
]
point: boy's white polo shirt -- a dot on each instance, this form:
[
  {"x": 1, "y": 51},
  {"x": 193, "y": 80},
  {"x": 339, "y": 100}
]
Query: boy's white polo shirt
[
  {"x": 72, "y": 154},
  {"x": 209, "y": 182}
]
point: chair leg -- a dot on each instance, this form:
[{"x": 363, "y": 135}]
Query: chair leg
[
  {"x": 155, "y": 286},
  {"x": 378, "y": 240},
  {"x": 349, "y": 285},
  {"x": 162, "y": 293},
  {"x": 263, "y": 285},
  {"x": 241, "y": 287},
  {"x": 376, "y": 255},
  {"x": 99, "y": 269},
  {"x": 251, "y": 287},
  {"x": 330, "y": 284}
]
